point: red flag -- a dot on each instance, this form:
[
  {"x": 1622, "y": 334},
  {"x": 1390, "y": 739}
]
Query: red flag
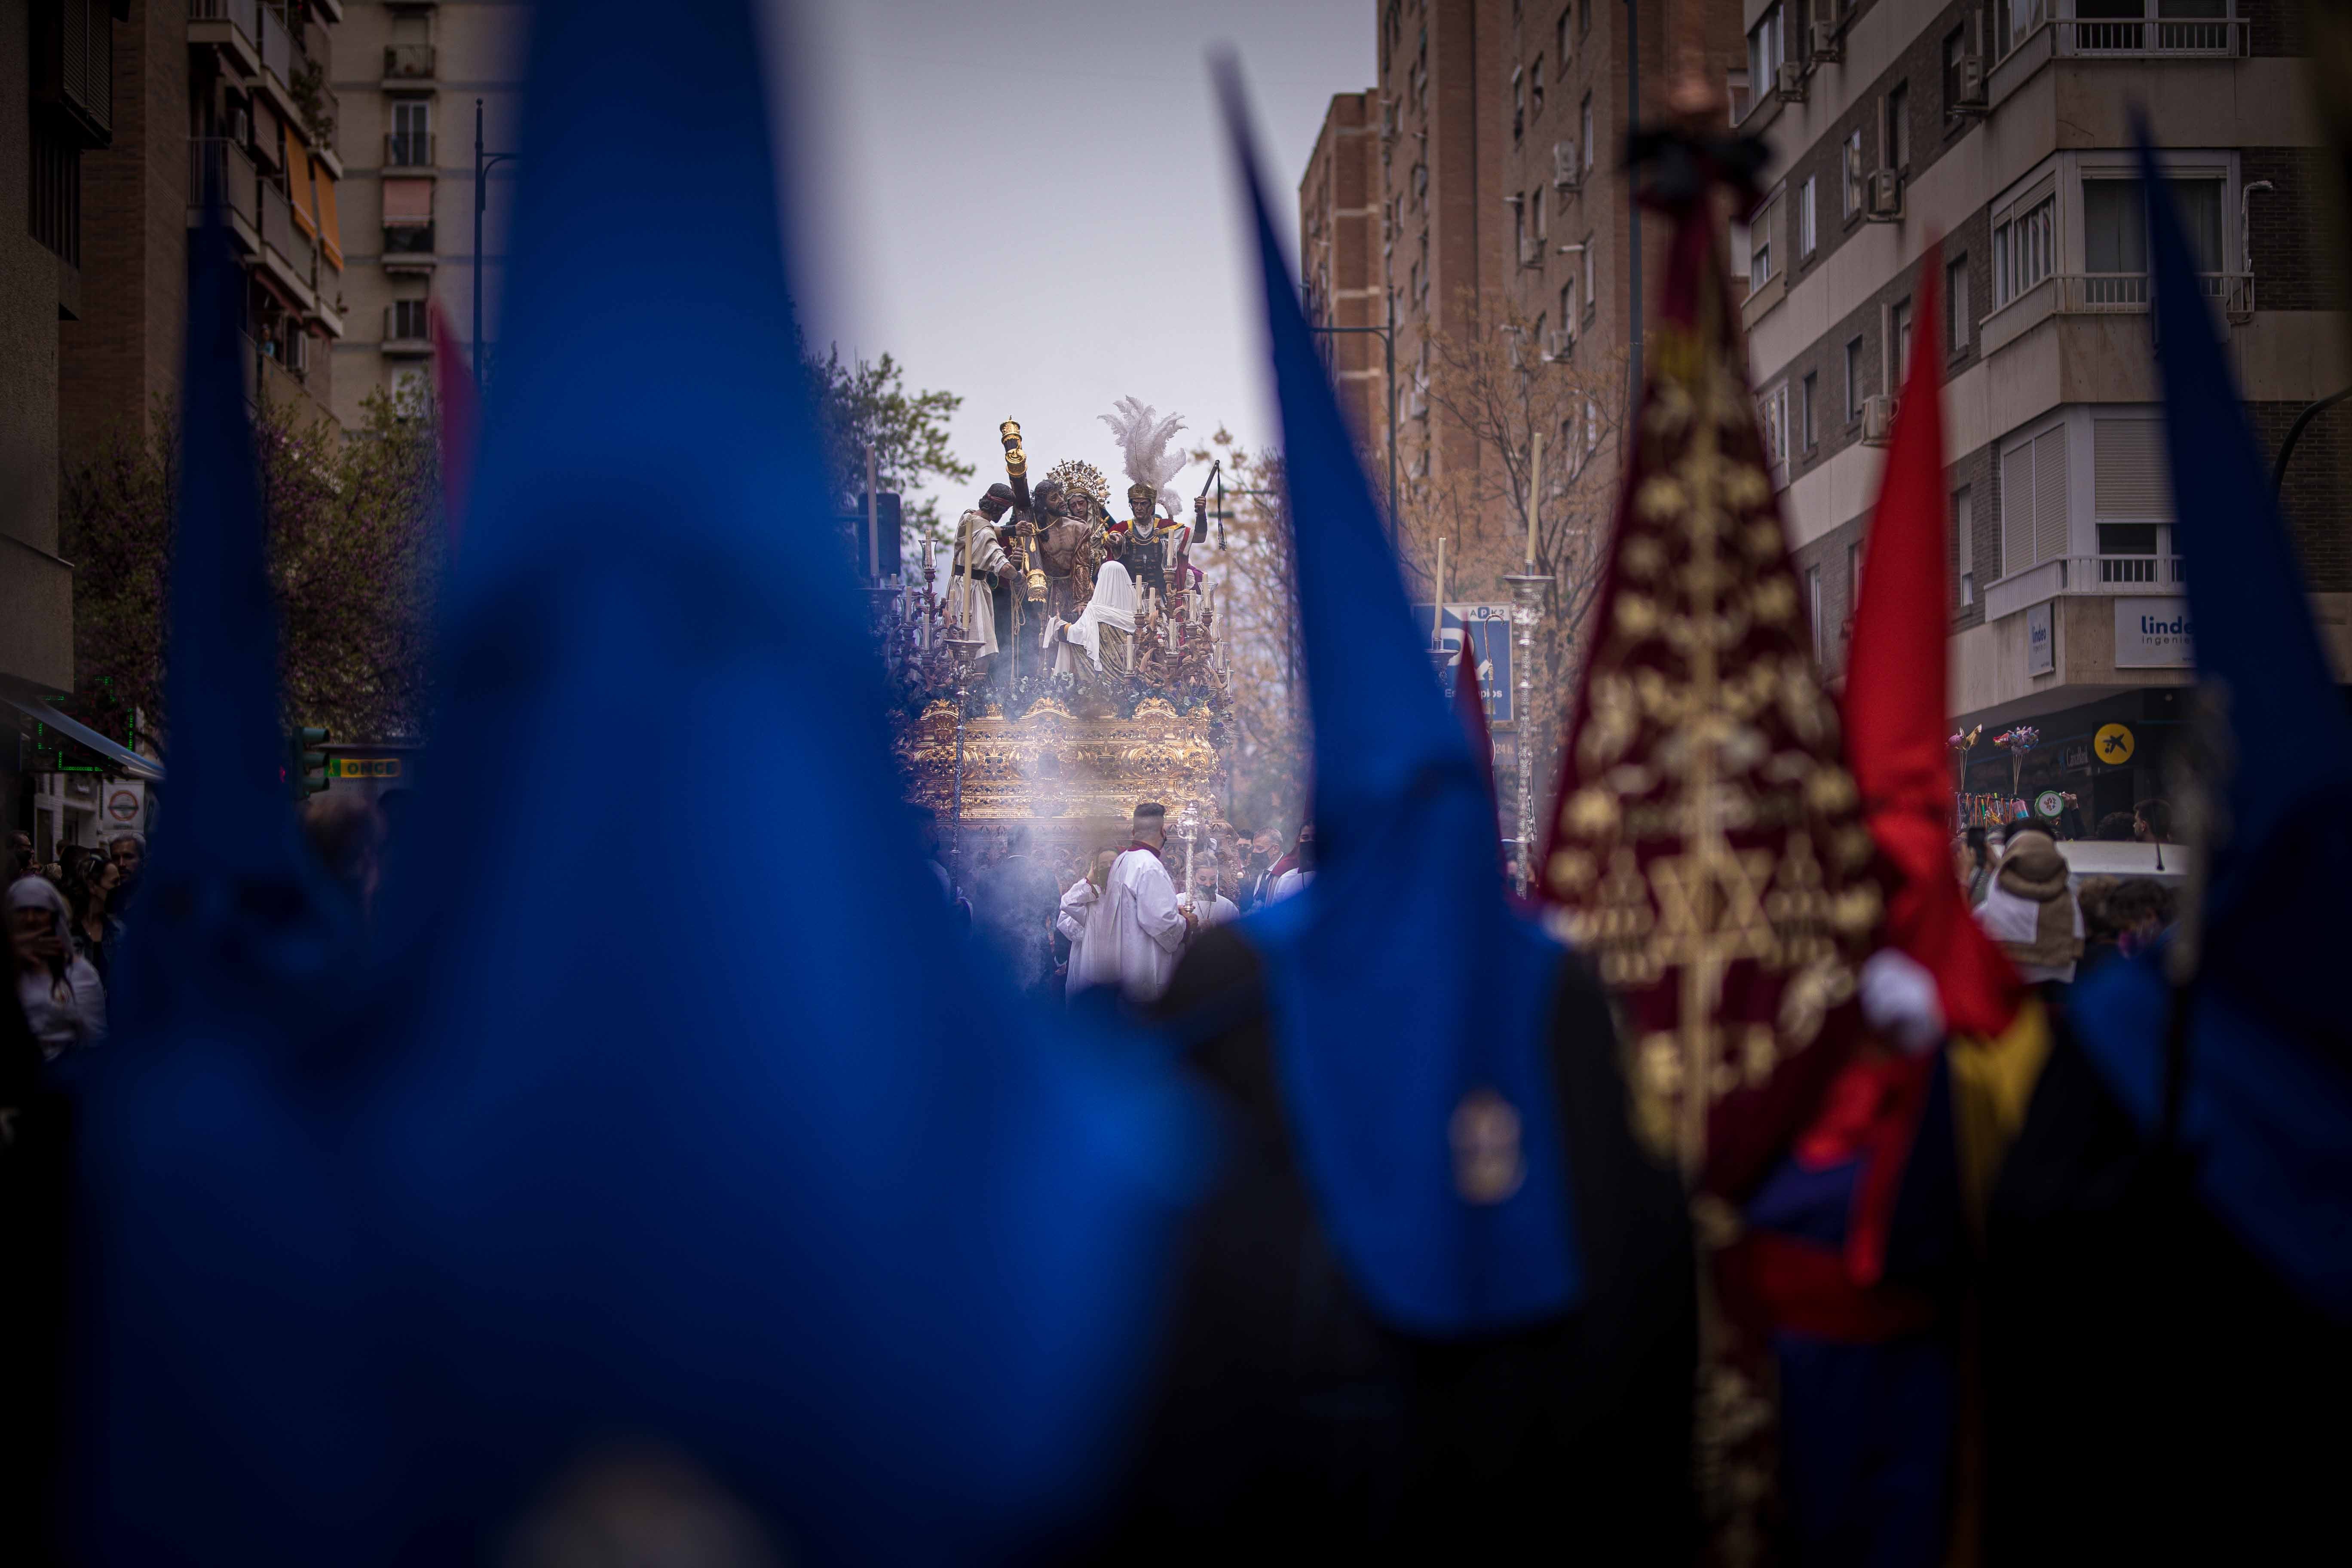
[
  {"x": 459, "y": 417},
  {"x": 1894, "y": 693}
]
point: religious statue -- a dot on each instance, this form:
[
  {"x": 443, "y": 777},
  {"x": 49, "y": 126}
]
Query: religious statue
[
  {"x": 977, "y": 567},
  {"x": 1143, "y": 543},
  {"x": 1066, "y": 533}
]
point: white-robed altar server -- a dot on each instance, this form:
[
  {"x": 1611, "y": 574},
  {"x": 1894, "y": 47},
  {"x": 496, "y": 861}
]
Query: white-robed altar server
[{"x": 1137, "y": 929}]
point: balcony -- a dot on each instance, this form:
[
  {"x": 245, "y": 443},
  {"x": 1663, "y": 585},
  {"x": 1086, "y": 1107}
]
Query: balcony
[
  {"x": 2077, "y": 576},
  {"x": 287, "y": 252},
  {"x": 407, "y": 239},
  {"x": 408, "y": 150},
  {"x": 233, "y": 27},
  {"x": 404, "y": 333},
  {"x": 2104, "y": 294},
  {"x": 220, "y": 169},
  {"x": 408, "y": 62},
  {"x": 2082, "y": 38}
]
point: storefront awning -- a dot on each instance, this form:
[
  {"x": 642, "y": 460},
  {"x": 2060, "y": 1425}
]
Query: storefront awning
[{"x": 82, "y": 735}]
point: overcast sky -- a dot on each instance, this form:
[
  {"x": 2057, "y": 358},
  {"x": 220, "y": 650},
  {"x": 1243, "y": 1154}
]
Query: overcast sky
[{"x": 1029, "y": 203}]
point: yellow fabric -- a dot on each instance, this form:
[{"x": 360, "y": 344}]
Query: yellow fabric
[
  {"x": 1992, "y": 1083},
  {"x": 330, "y": 228},
  {"x": 298, "y": 190}
]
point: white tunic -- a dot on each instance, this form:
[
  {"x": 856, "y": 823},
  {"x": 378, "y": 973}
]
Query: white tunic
[
  {"x": 1136, "y": 931},
  {"x": 1078, "y": 905},
  {"x": 1288, "y": 884},
  {"x": 979, "y": 617}
]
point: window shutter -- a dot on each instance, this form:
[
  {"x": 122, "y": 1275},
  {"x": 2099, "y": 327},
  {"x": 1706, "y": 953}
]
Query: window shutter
[
  {"x": 2130, "y": 480},
  {"x": 2050, "y": 495},
  {"x": 2017, "y": 508}
]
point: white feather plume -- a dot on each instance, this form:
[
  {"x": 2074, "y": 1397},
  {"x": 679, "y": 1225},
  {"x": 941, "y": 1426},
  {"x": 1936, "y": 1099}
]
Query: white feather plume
[{"x": 1143, "y": 439}]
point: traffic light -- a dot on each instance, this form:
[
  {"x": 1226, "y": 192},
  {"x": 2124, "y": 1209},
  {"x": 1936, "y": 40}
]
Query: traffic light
[{"x": 306, "y": 765}]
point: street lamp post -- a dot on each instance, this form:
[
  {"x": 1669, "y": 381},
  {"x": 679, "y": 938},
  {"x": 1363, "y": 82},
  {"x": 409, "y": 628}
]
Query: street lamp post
[
  {"x": 1387, "y": 335},
  {"x": 483, "y": 163},
  {"x": 1526, "y": 610}
]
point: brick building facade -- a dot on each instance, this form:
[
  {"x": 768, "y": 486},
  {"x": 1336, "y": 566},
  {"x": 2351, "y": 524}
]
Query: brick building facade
[{"x": 2005, "y": 129}]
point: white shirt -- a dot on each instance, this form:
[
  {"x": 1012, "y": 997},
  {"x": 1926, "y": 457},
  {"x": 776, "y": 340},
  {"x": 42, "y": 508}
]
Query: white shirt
[
  {"x": 1136, "y": 929},
  {"x": 1220, "y": 910},
  {"x": 1289, "y": 882}
]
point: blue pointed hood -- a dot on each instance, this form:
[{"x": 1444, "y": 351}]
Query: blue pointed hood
[
  {"x": 232, "y": 916},
  {"x": 720, "y": 1136},
  {"x": 1413, "y": 1008},
  {"x": 2267, "y": 1112}
]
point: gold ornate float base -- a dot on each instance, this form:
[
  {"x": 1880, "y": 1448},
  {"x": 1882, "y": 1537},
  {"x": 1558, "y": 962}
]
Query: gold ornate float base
[{"x": 1073, "y": 782}]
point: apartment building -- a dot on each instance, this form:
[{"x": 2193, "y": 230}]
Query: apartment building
[
  {"x": 220, "y": 100},
  {"x": 2004, "y": 127},
  {"x": 1340, "y": 265},
  {"x": 56, "y": 105},
  {"x": 412, "y": 74},
  {"x": 1506, "y": 224}
]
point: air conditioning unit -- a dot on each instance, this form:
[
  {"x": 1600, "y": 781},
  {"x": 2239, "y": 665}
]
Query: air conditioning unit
[
  {"x": 1829, "y": 41},
  {"x": 1566, "y": 174},
  {"x": 1557, "y": 343},
  {"x": 1788, "y": 87},
  {"x": 1877, "y": 420},
  {"x": 1881, "y": 196},
  {"x": 1971, "y": 86}
]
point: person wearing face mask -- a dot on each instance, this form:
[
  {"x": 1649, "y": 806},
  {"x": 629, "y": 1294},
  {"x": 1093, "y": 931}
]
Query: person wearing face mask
[
  {"x": 63, "y": 998},
  {"x": 1292, "y": 871}
]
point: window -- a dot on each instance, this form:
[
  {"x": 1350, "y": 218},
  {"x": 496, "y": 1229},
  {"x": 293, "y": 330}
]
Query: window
[
  {"x": 1807, "y": 237},
  {"x": 1852, "y": 172},
  {"x": 1766, "y": 49},
  {"x": 1772, "y": 416},
  {"x": 408, "y": 318},
  {"x": 2033, "y": 523},
  {"x": 1584, "y": 132},
  {"x": 2115, "y": 233},
  {"x": 1955, "y": 305},
  {"x": 1542, "y": 232},
  {"x": 408, "y": 391},
  {"x": 1898, "y": 126},
  {"x": 1560, "y": 43},
  {"x": 1518, "y": 103},
  {"x": 1853, "y": 380},
  {"x": 2023, "y": 250},
  {"x": 1813, "y": 603},
  {"x": 1852, "y": 578},
  {"x": 1736, "y": 92},
  {"x": 1421, "y": 187},
  {"x": 1955, "y": 49},
  {"x": 1592, "y": 296},
  {"x": 1964, "y": 538},
  {"x": 1584, "y": 18},
  {"x": 1807, "y": 431},
  {"x": 1535, "y": 87},
  {"x": 1899, "y": 329},
  {"x": 411, "y": 145},
  {"x": 1591, "y": 426},
  {"x": 1568, "y": 307},
  {"x": 1759, "y": 251}
]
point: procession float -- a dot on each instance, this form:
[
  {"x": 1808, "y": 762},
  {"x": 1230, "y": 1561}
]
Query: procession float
[{"x": 1057, "y": 665}]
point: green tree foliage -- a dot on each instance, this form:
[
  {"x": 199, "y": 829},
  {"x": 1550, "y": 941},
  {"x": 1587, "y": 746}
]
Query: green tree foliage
[
  {"x": 866, "y": 404},
  {"x": 356, "y": 542}
]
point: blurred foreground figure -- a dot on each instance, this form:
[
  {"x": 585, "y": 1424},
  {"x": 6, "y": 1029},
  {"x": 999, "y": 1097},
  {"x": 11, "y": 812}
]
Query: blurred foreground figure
[
  {"x": 616, "y": 1154},
  {"x": 1440, "y": 1304},
  {"x": 2169, "y": 1313}
]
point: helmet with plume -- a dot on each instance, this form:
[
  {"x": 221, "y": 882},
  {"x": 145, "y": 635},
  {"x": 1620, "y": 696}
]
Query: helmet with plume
[{"x": 1144, "y": 438}]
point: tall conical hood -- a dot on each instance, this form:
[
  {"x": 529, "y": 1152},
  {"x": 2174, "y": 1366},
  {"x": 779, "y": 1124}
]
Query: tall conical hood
[
  {"x": 1411, "y": 1007},
  {"x": 231, "y": 913},
  {"x": 720, "y": 1137},
  {"x": 2264, "y": 1111},
  {"x": 1895, "y": 688}
]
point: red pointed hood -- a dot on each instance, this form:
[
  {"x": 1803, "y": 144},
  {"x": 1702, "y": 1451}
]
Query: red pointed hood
[{"x": 1895, "y": 696}]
